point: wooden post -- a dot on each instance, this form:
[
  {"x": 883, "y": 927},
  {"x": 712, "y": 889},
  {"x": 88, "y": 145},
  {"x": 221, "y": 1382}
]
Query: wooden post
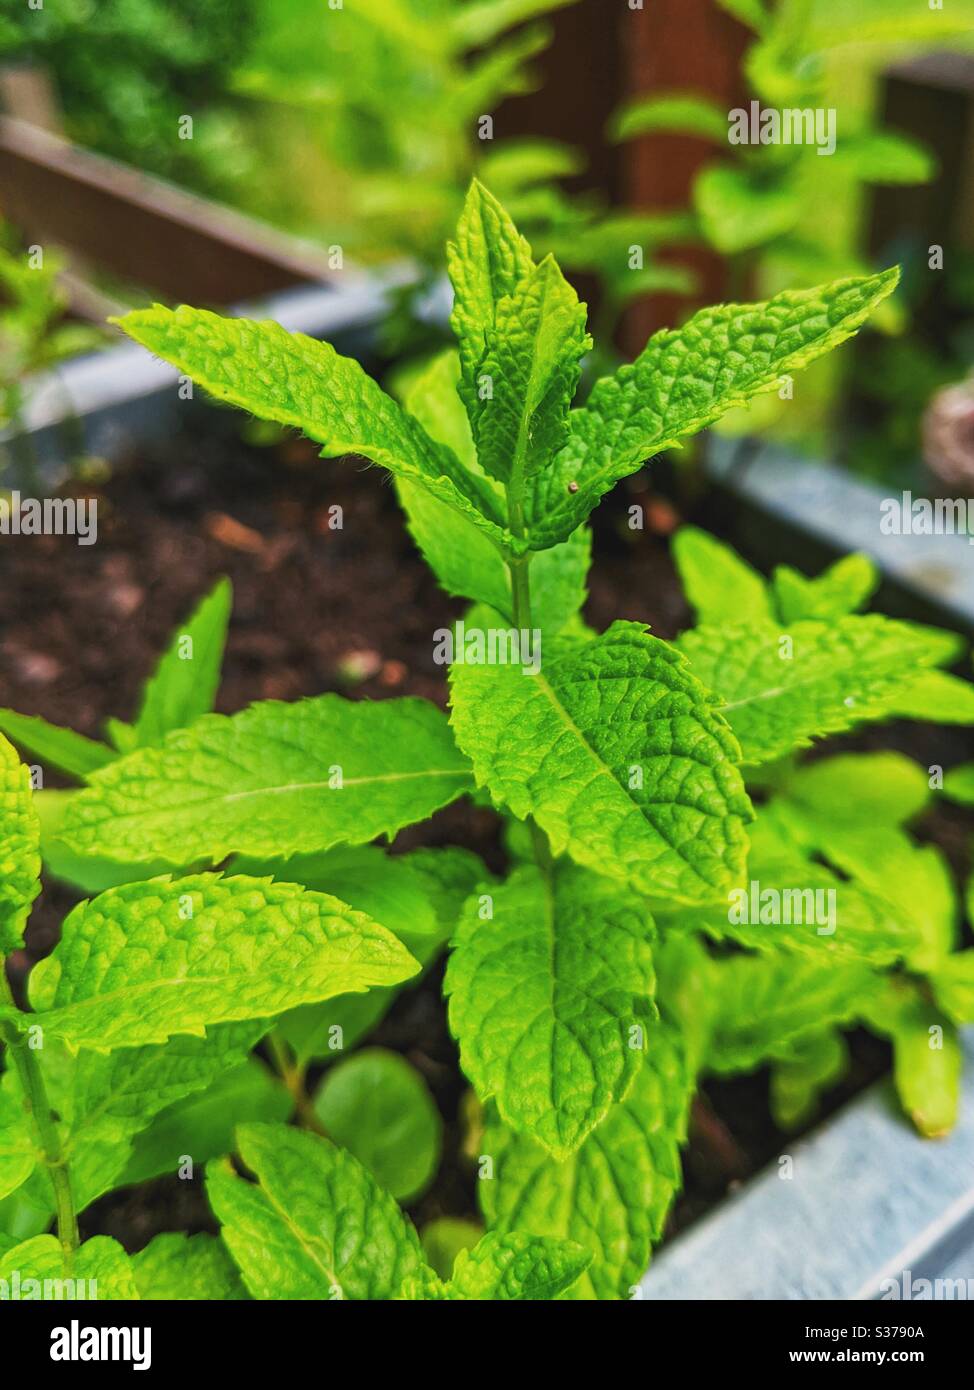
[
  {"x": 676, "y": 45},
  {"x": 28, "y": 94}
]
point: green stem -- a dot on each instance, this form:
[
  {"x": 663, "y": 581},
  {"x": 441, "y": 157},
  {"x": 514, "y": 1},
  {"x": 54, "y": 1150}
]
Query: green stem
[
  {"x": 44, "y": 1124},
  {"x": 293, "y": 1078},
  {"x": 521, "y": 592},
  {"x": 521, "y": 605}
]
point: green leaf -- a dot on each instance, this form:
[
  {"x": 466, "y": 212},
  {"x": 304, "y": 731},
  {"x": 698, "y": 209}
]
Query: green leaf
[
  {"x": 686, "y": 992},
  {"x": 814, "y": 1061},
  {"x": 842, "y": 589},
  {"x": 953, "y": 986},
  {"x": 612, "y": 1196},
  {"x": 849, "y": 810},
  {"x": 184, "y": 683},
  {"x": 433, "y": 398},
  {"x": 916, "y": 877},
  {"x": 959, "y": 784},
  {"x": 106, "y": 1099},
  {"x": 17, "y": 1154},
  {"x": 379, "y": 1108},
  {"x": 551, "y": 1029},
  {"x": 144, "y": 961},
  {"x": 120, "y": 1112},
  {"x": 682, "y": 113},
  {"x": 740, "y": 209},
  {"x": 559, "y": 585},
  {"x": 605, "y": 244},
  {"x": 88, "y": 873},
  {"x": 481, "y": 21},
  {"x": 486, "y": 262},
  {"x": 927, "y": 1065},
  {"x": 62, "y": 749},
  {"x": 449, "y": 877},
  {"x": 873, "y": 789},
  {"x": 417, "y": 896},
  {"x": 831, "y": 23},
  {"x": 119, "y": 734},
  {"x": 618, "y": 753},
  {"x": 719, "y": 585},
  {"x": 101, "y": 1262},
  {"x": 513, "y": 1266},
  {"x": 444, "y": 1238},
  {"x": 390, "y": 889},
  {"x": 202, "y": 1124},
  {"x": 317, "y": 1226},
  {"x": 20, "y": 860},
  {"x": 936, "y": 696},
  {"x": 765, "y": 1005},
  {"x": 797, "y": 905},
  {"x": 751, "y": 12},
  {"x": 310, "y": 775},
  {"x": 884, "y": 156},
  {"x": 785, "y": 688},
  {"x": 685, "y": 379},
  {"x": 178, "y": 1267},
  {"x": 294, "y": 380},
  {"x": 532, "y": 363},
  {"x": 518, "y": 166},
  {"x": 927, "y": 1058}
]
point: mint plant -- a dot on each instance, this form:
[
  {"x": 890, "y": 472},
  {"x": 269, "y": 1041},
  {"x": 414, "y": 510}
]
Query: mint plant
[
  {"x": 898, "y": 971},
  {"x": 246, "y": 903}
]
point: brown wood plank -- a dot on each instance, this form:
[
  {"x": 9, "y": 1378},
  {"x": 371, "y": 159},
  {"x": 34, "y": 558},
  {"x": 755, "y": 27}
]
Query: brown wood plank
[{"x": 142, "y": 229}]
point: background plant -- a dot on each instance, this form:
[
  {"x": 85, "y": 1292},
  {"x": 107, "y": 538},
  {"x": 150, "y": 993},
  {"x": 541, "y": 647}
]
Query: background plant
[
  {"x": 125, "y": 73},
  {"x": 583, "y": 991},
  {"x": 386, "y": 104},
  {"x": 781, "y": 214},
  {"x": 35, "y": 333}
]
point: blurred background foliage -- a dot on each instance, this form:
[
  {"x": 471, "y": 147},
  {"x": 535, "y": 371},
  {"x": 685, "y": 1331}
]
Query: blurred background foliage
[
  {"x": 359, "y": 123},
  {"x": 784, "y": 216},
  {"x": 125, "y": 72}
]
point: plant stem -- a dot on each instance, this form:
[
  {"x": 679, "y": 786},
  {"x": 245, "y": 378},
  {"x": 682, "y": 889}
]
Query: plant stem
[
  {"x": 521, "y": 605},
  {"x": 44, "y": 1124},
  {"x": 521, "y": 592},
  {"x": 293, "y": 1078}
]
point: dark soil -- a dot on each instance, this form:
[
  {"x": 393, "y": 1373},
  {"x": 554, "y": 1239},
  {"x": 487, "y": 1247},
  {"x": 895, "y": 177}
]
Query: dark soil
[{"x": 318, "y": 609}]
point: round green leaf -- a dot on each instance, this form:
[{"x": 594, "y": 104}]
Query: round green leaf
[{"x": 379, "y": 1108}]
